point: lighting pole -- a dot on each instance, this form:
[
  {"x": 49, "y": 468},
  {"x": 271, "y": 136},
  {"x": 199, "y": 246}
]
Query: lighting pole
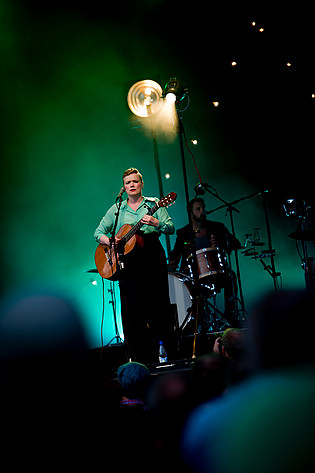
[{"x": 145, "y": 100}]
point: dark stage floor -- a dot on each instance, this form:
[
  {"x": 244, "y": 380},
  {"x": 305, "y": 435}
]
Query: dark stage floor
[{"x": 111, "y": 357}]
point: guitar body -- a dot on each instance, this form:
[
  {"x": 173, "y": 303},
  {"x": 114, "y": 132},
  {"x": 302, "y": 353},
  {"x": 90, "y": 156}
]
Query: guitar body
[{"x": 105, "y": 258}]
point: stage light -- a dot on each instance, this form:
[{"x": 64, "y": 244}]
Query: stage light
[
  {"x": 313, "y": 96},
  {"x": 170, "y": 97},
  {"x": 167, "y": 175},
  {"x": 233, "y": 63},
  {"x": 289, "y": 64},
  {"x": 175, "y": 90},
  {"x": 261, "y": 30},
  {"x": 253, "y": 23},
  {"x": 215, "y": 104},
  {"x": 194, "y": 142},
  {"x": 145, "y": 98}
]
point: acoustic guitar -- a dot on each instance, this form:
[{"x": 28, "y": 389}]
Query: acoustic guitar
[{"x": 107, "y": 257}]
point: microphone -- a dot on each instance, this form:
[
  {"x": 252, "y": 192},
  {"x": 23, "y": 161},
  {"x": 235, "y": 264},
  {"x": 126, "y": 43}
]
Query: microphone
[
  {"x": 122, "y": 190},
  {"x": 199, "y": 190}
]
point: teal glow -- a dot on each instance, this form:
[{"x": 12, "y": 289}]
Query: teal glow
[{"x": 68, "y": 138}]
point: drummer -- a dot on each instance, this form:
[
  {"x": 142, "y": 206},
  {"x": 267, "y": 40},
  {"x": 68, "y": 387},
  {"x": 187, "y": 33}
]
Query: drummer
[{"x": 201, "y": 233}]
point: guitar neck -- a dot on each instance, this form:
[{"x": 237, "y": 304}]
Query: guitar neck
[{"x": 137, "y": 226}]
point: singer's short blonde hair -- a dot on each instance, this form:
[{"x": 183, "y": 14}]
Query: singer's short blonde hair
[{"x": 132, "y": 171}]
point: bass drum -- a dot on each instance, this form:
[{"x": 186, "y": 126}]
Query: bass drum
[{"x": 180, "y": 294}]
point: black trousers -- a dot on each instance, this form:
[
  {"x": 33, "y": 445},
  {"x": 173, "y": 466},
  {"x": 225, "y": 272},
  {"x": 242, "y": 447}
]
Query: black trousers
[{"x": 145, "y": 305}]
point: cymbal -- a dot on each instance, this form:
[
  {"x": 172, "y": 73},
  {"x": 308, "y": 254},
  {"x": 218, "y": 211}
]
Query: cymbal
[
  {"x": 306, "y": 235},
  {"x": 91, "y": 271}
]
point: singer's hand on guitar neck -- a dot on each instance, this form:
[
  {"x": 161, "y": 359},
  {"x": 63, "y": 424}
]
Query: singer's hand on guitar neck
[{"x": 149, "y": 220}]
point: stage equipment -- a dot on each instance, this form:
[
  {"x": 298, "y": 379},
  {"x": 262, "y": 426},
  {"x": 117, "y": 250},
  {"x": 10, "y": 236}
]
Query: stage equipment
[
  {"x": 211, "y": 262},
  {"x": 200, "y": 264},
  {"x": 296, "y": 208},
  {"x": 199, "y": 190},
  {"x": 299, "y": 210},
  {"x": 255, "y": 243},
  {"x": 175, "y": 90},
  {"x": 112, "y": 301},
  {"x": 145, "y": 98},
  {"x": 180, "y": 290}
]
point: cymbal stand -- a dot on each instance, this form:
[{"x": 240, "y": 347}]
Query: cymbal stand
[{"x": 272, "y": 270}]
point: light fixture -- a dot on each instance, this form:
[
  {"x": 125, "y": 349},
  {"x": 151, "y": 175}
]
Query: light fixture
[
  {"x": 233, "y": 63},
  {"x": 296, "y": 208},
  {"x": 215, "y": 104},
  {"x": 167, "y": 175},
  {"x": 175, "y": 91},
  {"x": 194, "y": 142},
  {"x": 145, "y": 98}
]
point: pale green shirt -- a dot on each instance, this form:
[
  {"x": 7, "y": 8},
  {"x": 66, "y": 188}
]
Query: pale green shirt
[{"x": 131, "y": 217}]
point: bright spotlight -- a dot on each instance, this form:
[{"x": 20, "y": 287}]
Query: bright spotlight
[
  {"x": 175, "y": 90},
  {"x": 170, "y": 97},
  {"x": 145, "y": 98}
]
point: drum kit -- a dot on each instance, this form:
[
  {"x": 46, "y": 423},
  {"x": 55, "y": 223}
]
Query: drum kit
[{"x": 213, "y": 270}]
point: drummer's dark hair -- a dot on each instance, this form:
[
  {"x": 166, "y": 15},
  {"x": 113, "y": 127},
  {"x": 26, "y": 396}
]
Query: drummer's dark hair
[{"x": 191, "y": 203}]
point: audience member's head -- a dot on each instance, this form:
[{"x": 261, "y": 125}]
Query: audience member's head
[
  {"x": 233, "y": 343},
  {"x": 133, "y": 379},
  {"x": 40, "y": 337}
]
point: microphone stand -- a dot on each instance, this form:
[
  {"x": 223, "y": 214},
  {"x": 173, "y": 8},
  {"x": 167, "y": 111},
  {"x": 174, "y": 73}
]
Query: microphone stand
[
  {"x": 230, "y": 210},
  {"x": 271, "y": 270},
  {"x": 119, "y": 267}
]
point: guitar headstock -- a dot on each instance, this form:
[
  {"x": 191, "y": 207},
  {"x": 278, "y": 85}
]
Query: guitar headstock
[{"x": 168, "y": 199}]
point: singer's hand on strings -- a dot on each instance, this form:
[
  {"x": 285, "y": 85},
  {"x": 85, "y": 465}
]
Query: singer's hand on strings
[
  {"x": 105, "y": 240},
  {"x": 149, "y": 220}
]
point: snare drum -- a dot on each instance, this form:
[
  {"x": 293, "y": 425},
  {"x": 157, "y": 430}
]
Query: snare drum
[
  {"x": 211, "y": 262},
  {"x": 180, "y": 294}
]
